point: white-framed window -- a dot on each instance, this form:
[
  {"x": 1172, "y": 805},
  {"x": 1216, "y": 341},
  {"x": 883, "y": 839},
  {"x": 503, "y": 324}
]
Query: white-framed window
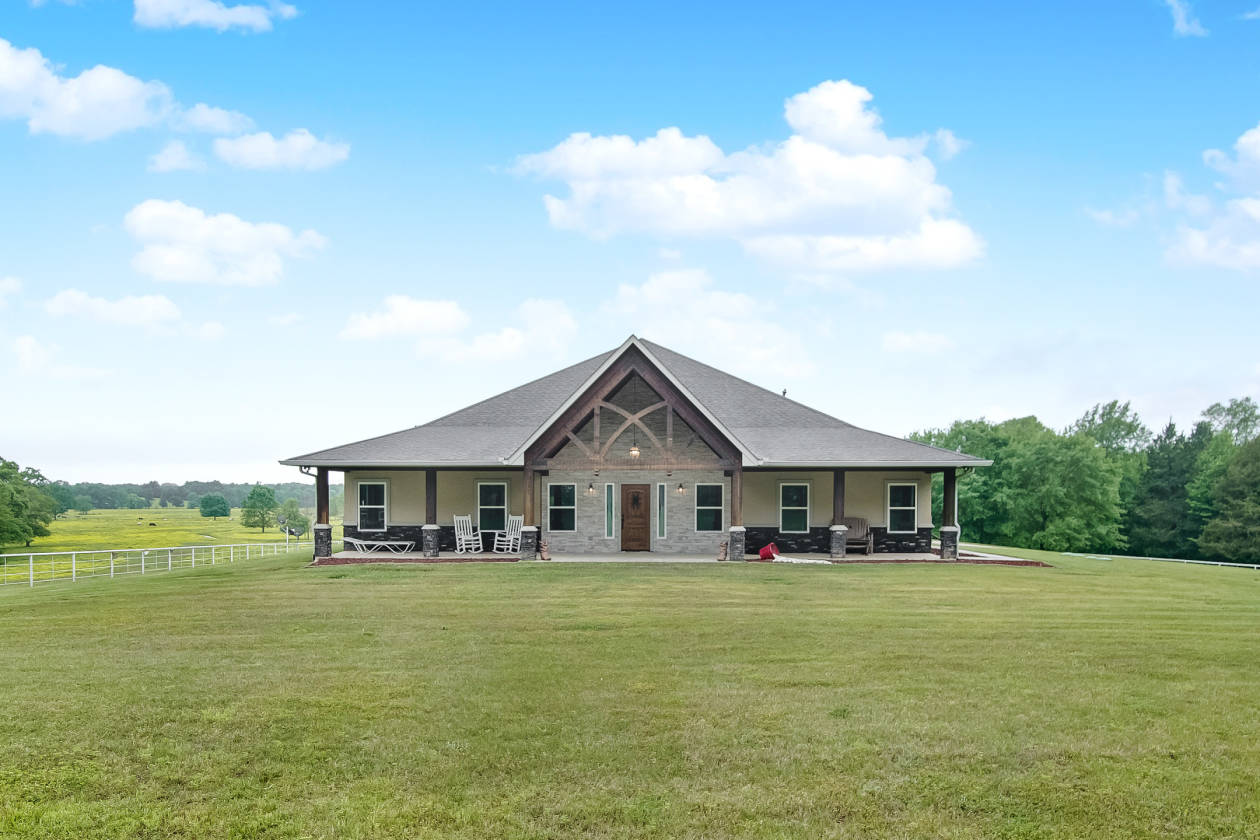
[
  {"x": 709, "y": 507},
  {"x": 373, "y": 503},
  {"x": 610, "y": 510},
  {"x": 793, "y": 507},
  {"x": 561, "y": 507},
  {"x": 903, "y": 507},
  {"x": 661, "y": 519},
  {"x": 492, "y": 505}
]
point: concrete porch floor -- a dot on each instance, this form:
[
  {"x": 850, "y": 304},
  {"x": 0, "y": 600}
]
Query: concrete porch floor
[{"x": 612, "y": 557}]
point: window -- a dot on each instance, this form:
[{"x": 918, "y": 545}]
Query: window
[
  {"x": 371, "y": 506},
  {"x": 660, "y": 511},
  {"x": 794, "y": 508},
  {"x": 492, "y": 505},
  {"x": 561, "y": 507},
  {"x": 609, "y": 529},
  {"x": 903, "y": 508},
  {"x": 708, "y": 507}
]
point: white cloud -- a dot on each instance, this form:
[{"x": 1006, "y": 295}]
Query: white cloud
[
  {"x": 916, "y": 342},
  {"x": 948, "y": 144},
  {"x": 839, "y": 193},
  {"x": 539, "y": 327},
  {"x": 183, "y": 244},
  {"x": 684, "y": 310},
  {"x": 9, "y": 286},
  {"x": 407, "y": 316},
  {"x": 1176, "y": 197},
  {"x": 286, "y": 319},
  {"x": 175, "y": 157},
  {"x": 1184, "y": 21},
  {"x": 296, "y": 150},
  {"x": 1230, "y": 239},
  {"x": 670, "y": 254},
  {"x": 1254, "y": 14},
  {"x": 98, "y": 103},
  {"x": 142, "y": 311},
  {"x": 1243, "y": 169},
  {"x": 208, "y": 331},
  {"x": 210, "y": 120},
  {"x": 34, "y": 358},
  {"x": 167, "y": 14}
]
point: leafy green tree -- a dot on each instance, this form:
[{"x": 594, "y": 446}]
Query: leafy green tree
[
  {"x": 25, "y": 509},
  {"x": 258, "y": 509},
  {"x": 1239, "y": 417},
  {"x": 1160, "y": 523},
  {"x": 1234, "y": 534},
  {"x": 214, "y": 506},
  {"x": 1209, "y": 468},
  {"x": 84, "y": 504},
  {"x": 295, "y": 522},
  {"x": 62, "y": 495},
  {"x": 136, "y": 501},
  {"x": 1122, "y": 435}
]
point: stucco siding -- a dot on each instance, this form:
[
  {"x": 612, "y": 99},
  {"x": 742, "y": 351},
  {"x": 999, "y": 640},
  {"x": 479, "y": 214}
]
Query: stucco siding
[
  {"x": 456, "y": 493},
  {"x": 864, "y": 496}
]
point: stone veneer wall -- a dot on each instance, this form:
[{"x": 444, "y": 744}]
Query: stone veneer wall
[
  {"x": 409, "y": 533},
  {"x": 681, "y": 536},
  {"x": 817, "y": 541},
  {"x": 919, "y": 542}
]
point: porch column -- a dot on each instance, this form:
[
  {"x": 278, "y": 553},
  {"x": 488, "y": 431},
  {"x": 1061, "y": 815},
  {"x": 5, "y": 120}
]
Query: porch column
[
  {"x": 737, "y": 495},
  {"x": 949, "y": 516},
  {"x": 529, "y": 542},
  {"x": 529, "y": 498},
  {"x": 430, "y": 497},
  {"x": 323, "y": 530},
  {"x": 837, "y": 497}
]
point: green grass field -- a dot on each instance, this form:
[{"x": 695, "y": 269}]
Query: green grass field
[
  {"x": 109, "y": 529},
  {"x": 1099, "y": 699}
]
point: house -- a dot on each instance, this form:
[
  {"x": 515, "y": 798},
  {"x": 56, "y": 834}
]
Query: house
[{"x": 641, "y": 449}]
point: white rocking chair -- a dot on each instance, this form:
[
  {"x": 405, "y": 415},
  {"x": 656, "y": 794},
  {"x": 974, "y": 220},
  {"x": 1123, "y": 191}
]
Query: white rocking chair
[
  {"x": 466, "y": 539},
  {"x": 509, "y": 541}
]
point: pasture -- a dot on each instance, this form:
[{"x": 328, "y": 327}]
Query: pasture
[
  {"x": 1099, "y": 698},
  {"x": 172, "y": 526}
]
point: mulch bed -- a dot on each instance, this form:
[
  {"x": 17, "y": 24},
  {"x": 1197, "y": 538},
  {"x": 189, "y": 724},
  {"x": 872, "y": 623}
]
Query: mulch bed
[{"x": 352, "y": 561}]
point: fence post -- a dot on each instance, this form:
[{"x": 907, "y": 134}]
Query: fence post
[
  {"x": 232, "y": 554},
  {"x": 168, "y": 559},
  {"x": 211, "y": 555},
  {"x": 31, "y": 560},
  {"x": 74, "y": 566},
  {"x": 143, "y": 554},
  {"x": 111, "y": 565},
  {"x": 193, "y": 551}
]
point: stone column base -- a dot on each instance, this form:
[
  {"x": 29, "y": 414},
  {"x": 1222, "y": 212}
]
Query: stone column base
[
  {"x": 949, "y": 542},
  {"x": 429, "y": 540},
  {"x": 529, "y": 542},
  {"x": 323, "y": 541},
  {"x": 839, "y": 538},
  {"x": 739, "y": 538}
]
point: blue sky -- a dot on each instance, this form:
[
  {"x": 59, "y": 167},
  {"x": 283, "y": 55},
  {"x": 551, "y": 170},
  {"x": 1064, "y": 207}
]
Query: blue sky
[{"x": 255, "y": 230}]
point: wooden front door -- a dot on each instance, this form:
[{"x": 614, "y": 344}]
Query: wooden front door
[{"x": 636, "y": 517}]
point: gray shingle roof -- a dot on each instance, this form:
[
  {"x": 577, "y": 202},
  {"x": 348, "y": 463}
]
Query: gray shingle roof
[{"x": 771, "y": 429}]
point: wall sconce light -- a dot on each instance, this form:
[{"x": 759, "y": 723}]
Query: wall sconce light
[
  {"x": 680, "y": 488},
  {"x": 590, "y": 489}
]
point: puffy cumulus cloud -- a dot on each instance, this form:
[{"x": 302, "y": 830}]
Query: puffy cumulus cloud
[
  {"x": 175, "y": 157},
  {"x": 140, "y": 311},
  {"x": 685, "y": 310},
  {"x": 1225, "y": 234},
  {"x": 33, "y": 357},
  {"x": 211, "y": 14},
  {"x": 838, "y": 193},
  {"x": 1243, "y": 169},
  {"x": 296, "y": 150},
  {"x": 1185, "y": 23},
  {"x": 184, "y": 244},
  {"x": 98, "y": 103},
  {"x": 916, "y": 342}
]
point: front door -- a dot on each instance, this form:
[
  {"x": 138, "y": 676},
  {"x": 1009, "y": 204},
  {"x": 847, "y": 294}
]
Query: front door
[{"x": 636, "y": 519}]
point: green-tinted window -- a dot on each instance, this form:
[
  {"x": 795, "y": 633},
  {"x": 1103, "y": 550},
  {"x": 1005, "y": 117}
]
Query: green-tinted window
[
  {"x": 561, "y": 495},
  {"x": 371, "y": 506},
  {"x": 608, "y": 511},
  {"x": 562, "y": 507},
  {"x": 708, "y": 507},
  {"x": 794, "y": 508},
  {"x": 492, "y": 506},
  {"x": 902, "y": 509},
  {"x": 660, "y": 511}
]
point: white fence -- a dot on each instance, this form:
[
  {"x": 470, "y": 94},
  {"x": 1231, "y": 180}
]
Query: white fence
[{"x": 31, "y": 568}]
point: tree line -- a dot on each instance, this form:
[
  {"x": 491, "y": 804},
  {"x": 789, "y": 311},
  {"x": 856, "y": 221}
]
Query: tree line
[
  {"x": 1108, "y": 484},
  {"x": 29, "y": 502}
]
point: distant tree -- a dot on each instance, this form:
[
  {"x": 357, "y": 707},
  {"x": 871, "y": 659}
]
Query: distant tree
[
  {"x": 1235, "y": 533},
  {"x": 336, "y": 500},
  {"x": 295, "y": 522},
  {"x": 1209, "y": 469},
  {"x": 214, "y": 506},
  {"x": 62, "y": 495},
  {"x": 192, "y": 501},
  {"x": 1118, "y": 430},
  {"x": 136, "y": 501},
  {"x": 84, "y": 504},
  {"x": 1239, "y": 417},
  {"x": 1160, "y": 523},
  {"x": 258, "y": 509},
  {"x": 25, "y": 509},
  {"x": 152, "y": 490}
]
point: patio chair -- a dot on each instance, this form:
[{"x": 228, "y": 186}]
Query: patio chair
[
  {"x": 509, "y": 541},
  {"x": 466, "y": 539},
  {"x": 859, "y": 534}
]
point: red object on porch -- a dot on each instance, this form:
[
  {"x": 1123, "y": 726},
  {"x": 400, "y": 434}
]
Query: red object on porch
[{"x": 769, "y": 552}]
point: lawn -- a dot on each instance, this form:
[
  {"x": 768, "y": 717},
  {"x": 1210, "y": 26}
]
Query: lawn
[{"x": 1099, "y": 698}]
